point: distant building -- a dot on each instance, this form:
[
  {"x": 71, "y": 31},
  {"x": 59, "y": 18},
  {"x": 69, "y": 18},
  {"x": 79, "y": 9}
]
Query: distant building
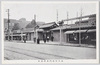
[
  {"x": 25, "y": 29},
  {"x": 30, "y": 33}
]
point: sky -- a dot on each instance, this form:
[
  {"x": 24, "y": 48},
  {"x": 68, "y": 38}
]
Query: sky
[{"x": 47, "y": 11}]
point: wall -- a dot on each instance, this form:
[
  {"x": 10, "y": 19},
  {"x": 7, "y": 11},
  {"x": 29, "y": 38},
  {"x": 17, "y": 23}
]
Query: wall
[{"x": 56, "y": 35}]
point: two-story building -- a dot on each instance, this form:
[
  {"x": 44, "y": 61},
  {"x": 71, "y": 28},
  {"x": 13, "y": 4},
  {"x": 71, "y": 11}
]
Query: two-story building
[{"x": 81, "y": 29}]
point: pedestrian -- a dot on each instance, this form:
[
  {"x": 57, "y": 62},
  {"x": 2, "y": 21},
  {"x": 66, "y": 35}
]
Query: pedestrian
[
  {"x": 38, "y": 41},
  {"x": 34, "y": 39},
  {"x": 52, "y": 38},
  {"x": 44, "y": 40},
  {"x": 48, "y": 39},
  {"x": 24, "y": 39}
]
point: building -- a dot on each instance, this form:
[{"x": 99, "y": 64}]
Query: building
[
  {"x": 84, "y": 28},
  {"x": 31, "y": 33},
  {"x": 47, "y": 33},
  {"x": 83, "y": 32},
  {"x": 14, "y": 27}
]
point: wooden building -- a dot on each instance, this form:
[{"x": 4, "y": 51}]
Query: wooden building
[
  {"x": 47, "y": 33},
  {"x": 70, "y": 33},
  {"x": 31, "y": 33}
]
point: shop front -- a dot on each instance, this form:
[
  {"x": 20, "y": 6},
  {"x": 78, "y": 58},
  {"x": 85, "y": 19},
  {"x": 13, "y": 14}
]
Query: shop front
[{"x": 86, "y": 36}]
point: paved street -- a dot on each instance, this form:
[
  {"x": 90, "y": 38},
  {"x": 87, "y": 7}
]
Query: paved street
[{"x": 29, "y": 51}]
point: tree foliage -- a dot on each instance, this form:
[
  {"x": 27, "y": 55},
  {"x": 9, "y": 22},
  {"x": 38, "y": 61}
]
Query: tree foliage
[
  {"x": 32, "y": 24},
  {"x": 16, "y": 26}
]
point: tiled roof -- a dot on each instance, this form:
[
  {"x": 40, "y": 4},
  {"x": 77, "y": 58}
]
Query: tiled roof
[
  {"x": 47, "y": 25},
  {"x": 72, "y": 26}
]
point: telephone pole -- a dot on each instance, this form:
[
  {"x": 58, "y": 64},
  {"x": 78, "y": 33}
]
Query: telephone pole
[
  {"x": 79, "y": 26},
  {"x": 8, "y": 25},
  {"x": 67, "y": 16},
  {"x": 34, "y": 17},
  {"x": 35, "y": 29},
  {"x": 77, "y": 15},
  {"x": 57, "y": 15}
]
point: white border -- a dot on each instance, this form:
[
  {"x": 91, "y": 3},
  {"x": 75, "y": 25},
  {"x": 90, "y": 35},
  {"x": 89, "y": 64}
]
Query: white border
[{"x": 64, "y": 61}]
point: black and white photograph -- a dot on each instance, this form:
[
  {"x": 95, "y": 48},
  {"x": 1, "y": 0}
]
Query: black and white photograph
[{"x": 50, "y": 31}]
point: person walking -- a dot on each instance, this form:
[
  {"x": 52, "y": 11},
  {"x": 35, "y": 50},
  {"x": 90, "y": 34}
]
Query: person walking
[
  {"x": 44, "y": 40},
  {"x": 34, "y": 39},
  {"x": 48, "y": 39},
  {"x": 38, "y": 41},
  {"x": 52, "y": 38},
  {"x": 24, "y": 39}
]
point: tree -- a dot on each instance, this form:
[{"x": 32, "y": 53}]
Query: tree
[
  {"x": 16, "y": 26},
  {"x": 32, "y": 24}
]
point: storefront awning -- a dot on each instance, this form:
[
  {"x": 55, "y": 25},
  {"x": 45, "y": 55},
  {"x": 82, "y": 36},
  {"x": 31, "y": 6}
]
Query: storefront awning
[
  {"x": 74, "y": 31},
  {"x": 77, "y": 31},
  {"x": 69, "y": 32},
  {"x": 17, "y": 35},
  {"x": 91, "y": 30},
  {"x": 82, "y": 31}
]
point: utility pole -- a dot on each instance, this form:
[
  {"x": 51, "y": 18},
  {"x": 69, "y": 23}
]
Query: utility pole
[
  {"x": 8, "y": 25},
  {"x": 60, "y": 25},
  {"x": 67, "y": 16},
  {"x": 60, "y": 35},
  {"x": 77, "y": 15},
  {"x": 22, "y": 34},
  {"x": 60, "y": 28},
  {"x": 80, "y": 27},
  {"x": 57, "y": 15},
  {"x": 35, "y": 32},
  {"x": 34, "y": 17}
]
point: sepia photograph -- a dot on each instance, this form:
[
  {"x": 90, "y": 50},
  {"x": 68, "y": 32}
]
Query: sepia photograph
[{"x": 50, "y": 32}]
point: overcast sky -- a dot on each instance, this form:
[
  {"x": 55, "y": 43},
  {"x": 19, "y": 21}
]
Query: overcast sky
[{"x": 47, "y": 12}]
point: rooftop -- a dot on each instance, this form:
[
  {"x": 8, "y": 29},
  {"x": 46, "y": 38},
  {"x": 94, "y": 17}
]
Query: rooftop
[
  {"x": 72, "y": 26},
  {"x": 46, "y": 25}
]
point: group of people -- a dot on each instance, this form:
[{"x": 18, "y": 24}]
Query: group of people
[
  {"x": 45, "y": 39},
  {"x": 48, "y": 38},
  {"x": 38, "y": 40}
]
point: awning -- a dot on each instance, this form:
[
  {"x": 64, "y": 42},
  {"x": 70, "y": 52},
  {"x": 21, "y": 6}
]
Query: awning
[
  {"x": 69, "y": 32},
  {"x": 91, "y": 30},
  {"x": 77, "y": 31},
  {"x": 82, "y": 31},
  {"x": 17, "y": 35}
]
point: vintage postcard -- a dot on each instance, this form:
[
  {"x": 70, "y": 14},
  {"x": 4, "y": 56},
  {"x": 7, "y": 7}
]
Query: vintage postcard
[{"x": 50, "y": 32}]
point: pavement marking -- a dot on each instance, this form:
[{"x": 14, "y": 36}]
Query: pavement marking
[
  {"x": 41, "y": 52},
  {"x": 23, "y": 54}
]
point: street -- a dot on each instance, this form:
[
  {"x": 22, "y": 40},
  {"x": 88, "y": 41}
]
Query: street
[{"x": 27, "y": 51}]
